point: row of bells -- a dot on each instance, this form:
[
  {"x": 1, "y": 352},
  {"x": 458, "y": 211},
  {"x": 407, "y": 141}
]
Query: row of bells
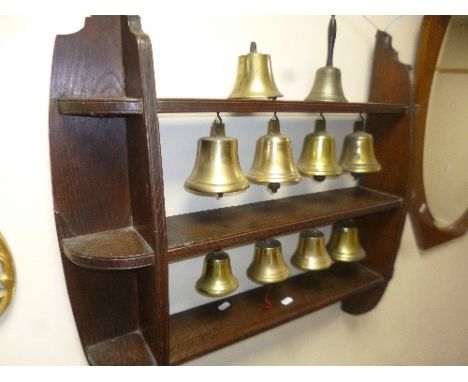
[
  {"x": 254, "y": 79},
  {"x": 217, "y": 169},
  {"x": 268, "y": 265}
]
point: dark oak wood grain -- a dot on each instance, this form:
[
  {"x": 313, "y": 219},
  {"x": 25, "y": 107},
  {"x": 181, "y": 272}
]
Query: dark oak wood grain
[
  {"x": 427, "y": 233},
  {"x": 205, "y": 328},
  {"x": 190, "y": 105},
  {"x": 200, "y": 232},
  {"x": 100, "y": 106},
  {"x": 130, "y": 349},
  {"x": 122, "y": 248}
]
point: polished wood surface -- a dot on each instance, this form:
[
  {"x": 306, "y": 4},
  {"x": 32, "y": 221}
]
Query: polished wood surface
[
  {"x": 200, "y": 232},
  {"x": 427, "y": 233}
]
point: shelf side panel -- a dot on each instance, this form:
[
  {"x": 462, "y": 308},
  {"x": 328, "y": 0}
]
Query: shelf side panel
[
  {"x": 147, "y": 186},
  {"x": 393, "y": 140},
  {"x": 90, "y": 176}
]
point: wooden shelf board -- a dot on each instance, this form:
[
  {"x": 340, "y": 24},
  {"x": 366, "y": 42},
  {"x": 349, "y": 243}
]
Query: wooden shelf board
[
  {"x": 192, "y": 105},
  {"x": 197, "y": 233},
  {"x": 205, "y": 328},
  {"x": 130, "y": 349},
  {"x": 116, "y": 106},
  {"x": 122, "y": 248}
]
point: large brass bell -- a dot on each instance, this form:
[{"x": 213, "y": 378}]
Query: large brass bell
[
  {"x": 318, "y": 158},
  {"x": 344, "y": 244},
  {"x": 327, "y": 85},
  {"x": 273, "y": 163},
  {"x": 311, "y": 254},
  {"x": 268, "y": 265},
  {"x": 358, "y": 154},
  {"x": 254, "y": 76},
  {"x": 217, "y": 279},
  {"x": 217, "y": 169}
]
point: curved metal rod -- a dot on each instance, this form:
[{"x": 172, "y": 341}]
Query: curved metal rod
[
  {"x": 7, "y": 277},
  {"x": 219, "y": 117}
]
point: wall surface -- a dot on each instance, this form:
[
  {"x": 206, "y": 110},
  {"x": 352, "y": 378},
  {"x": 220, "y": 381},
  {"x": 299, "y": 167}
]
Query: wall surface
[{"x": 421, "y": 318}]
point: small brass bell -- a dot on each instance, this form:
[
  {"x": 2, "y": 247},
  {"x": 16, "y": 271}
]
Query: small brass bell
[
  {"x": 268, "y": 265},
  {"x": 273, "y": 162},
  {"x": 327, "y": 85},
  {"x": 358, "y": 154},
  {"x": 217, "y": 169},
  {"x": 311, "y": 254},
  {"x": 217, "y": 279},
  {"x": 344, "y": 244},
  {"x": 254, "y": 76},
  {"x": 318, "y": 158}
]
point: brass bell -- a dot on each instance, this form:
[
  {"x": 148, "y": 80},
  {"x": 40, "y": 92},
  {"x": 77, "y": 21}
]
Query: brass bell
[
  {"x": 318, "y": 158},
  {"x": 217, "y": 169},
  {"x": 358, "y": 154},
  {"x": 344, "y": 244},
  {"x": 254, "y": 76},
  {"x": 217, "y": 279},
  {"x": 273, "y": 162},
  {"x": 327, "y": 85},
  {"x": 268, "y": 265},
  {"x": 311, "y": 254}
]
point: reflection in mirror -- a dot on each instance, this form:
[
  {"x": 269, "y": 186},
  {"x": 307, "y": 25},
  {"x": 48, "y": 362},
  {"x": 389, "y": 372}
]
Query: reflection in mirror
[{"x": 446, "y": 137}]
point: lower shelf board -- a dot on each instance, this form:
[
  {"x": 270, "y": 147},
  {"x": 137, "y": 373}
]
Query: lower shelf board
[
  {"x": 204, "y": 329},
  {"x": 130, "y": 349}
]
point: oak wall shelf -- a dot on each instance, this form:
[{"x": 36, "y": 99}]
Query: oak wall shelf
[{"x": 116, "y": 241}]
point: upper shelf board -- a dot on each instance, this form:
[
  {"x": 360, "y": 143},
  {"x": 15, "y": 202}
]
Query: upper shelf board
[{"x": 134, "y": 106}]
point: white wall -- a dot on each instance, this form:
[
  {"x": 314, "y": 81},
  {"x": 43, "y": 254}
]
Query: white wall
[{"x": 421, "y": 318}]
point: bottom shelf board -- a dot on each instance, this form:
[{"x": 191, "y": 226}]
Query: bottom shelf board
[
  {"x": 130, "y": 349},
  {"x": 203, "y": 329}
]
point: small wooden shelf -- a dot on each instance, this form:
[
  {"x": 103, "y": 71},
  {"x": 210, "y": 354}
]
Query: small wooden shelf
[
  {"x": 130, "y": 349},
  {"x": 117, "y": 249},
  {"x": 108, "y": 107},
  {"x": 192, "y": 105},
  {"x": 196, "y": 233},
  {"x": 205, "y": 328}
]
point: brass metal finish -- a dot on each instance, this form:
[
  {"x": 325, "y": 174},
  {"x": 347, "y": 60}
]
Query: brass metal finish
[
  {"x": 273, "y": 162},
  {"x": 7, "y": 276},
  {"x": 344, "y": 244},
  {"x": 217, "y": 169},
  {"x": 268, "y": 265},
  {"x": 318, "y": 156},
  {"x": 217, "y": 279},
  {"x": 254, "y": 76},
  {"x": 327, "y": 86},
  {"x": 358, "y": 154},
  {"x": 311, "y": 254}
]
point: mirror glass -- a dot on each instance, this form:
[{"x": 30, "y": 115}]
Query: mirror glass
[{"x": 446, "y": 137}]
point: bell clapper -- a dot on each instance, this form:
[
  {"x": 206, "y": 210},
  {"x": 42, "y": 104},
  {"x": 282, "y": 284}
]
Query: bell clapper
[
  {"x": 220, "y": 195},
  {"x": 356, "y": 175},
  {"x": 266, "y": 301},
  {"x": 273, "y": 187},
  {"x": 319, "y": 178}
]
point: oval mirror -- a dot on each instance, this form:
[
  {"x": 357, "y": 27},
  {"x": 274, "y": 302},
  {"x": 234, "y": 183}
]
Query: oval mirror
[{"x": 439, "y": 200}]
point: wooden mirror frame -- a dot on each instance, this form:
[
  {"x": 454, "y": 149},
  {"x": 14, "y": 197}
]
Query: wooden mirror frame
[{"x": 427, "y": 234}]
